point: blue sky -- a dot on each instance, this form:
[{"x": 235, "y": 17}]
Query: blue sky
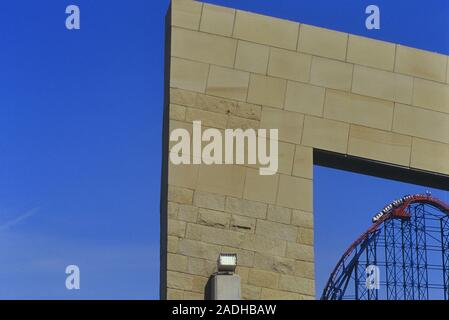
[{"x": 80, "y": 137}]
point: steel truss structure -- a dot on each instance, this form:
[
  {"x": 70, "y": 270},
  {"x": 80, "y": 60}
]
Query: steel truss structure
[{"x": 404, "y": 255}]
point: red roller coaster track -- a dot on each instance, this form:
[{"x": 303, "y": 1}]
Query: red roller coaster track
[{"x": 398, "y": 209}]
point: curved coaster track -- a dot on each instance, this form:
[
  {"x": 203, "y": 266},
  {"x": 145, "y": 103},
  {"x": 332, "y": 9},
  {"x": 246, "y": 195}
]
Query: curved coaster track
[{"x": 404, "y": 255}]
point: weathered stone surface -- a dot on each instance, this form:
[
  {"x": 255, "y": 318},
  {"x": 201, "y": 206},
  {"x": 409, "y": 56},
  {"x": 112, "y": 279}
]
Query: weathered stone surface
[
  {"x": 273, "y": 263},
  {"x": 305, "y": 269},
  {"x": 304, "y": 98},
  {"x": 243, "y": 224},
  {"x": 430, "y": 94},
  {"x": 252, "y": 57},
  {"x": 186, "y": 14},
  {"x": 276, "y": 230},
  {"x": 218, "y": 20},
  {"x": 176, "y": 262},
  {"x": 263, "y": 278},
  {"x": 430, "y": 155},
  {"x": 201, "y": 266},
  {"x": 227, "y": 83},
  {"x": 216, "y": 219},
  {"x": 187, "y": 213},
  {"x": 250, "y": 292},
  {"x": 177, "y": 280},
  {"x": 172, "y": 210},
  {"x": 357, "y": 109},
  {"x": 299, "y": 251},
  {"x": 297, "y": 284},
  {"x": 303, "y": 162},
  {"x": 295, "y": 193},
  {"x": 325, "y": 134},
  {"x": 198, "y": 249},
  {"x": 260, "y": 188},
  {"x": 246, "y": 208},
  {"x": 176, "y": 228},
  {"x": 323, "y": 42},
  {"x": 222, "y": 179},
  {"x": 265, "y": 90},
  {"x": 305, "y": 236},
  {"x": 421, "y": 123},
  {"x": 379, "y": 145},
  {"x": 371, "y": 53},
  {"x": 177, "y": 112},
  {"x": 174, "y": 294},
  {"x": 209, "y": 200},
  {"x": 331, "y": 74},
  {"x": 182, "y": 97},
  {"x": 419, "y": 63},
  {"x": 302, "y": 218},
  {"x": 188, "y": 75},
  {"x": 289, "y": 124},
  {"x": 172, "y": 244},
  {"x": 382, "y": 84},
  {"x": 266, "y": 30},
  {"x": 270, "y": 294},
  {"x": 289, "y": 65},
  {"x": 204, "y": 47},
  {"x": 279, "y": 214}
]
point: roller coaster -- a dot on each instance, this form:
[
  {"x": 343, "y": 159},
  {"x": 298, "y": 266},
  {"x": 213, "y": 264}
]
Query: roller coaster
[{"x": 404, "y": 255}]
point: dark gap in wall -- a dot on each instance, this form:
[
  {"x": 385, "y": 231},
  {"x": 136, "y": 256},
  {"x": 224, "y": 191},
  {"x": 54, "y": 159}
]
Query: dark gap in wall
[{"x": 380, "y": 169}]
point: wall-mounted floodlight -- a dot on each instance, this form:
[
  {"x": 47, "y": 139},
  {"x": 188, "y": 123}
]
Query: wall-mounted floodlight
[
  {"x": 225, "y": 284},
  {"x": 227, "y": 262}
]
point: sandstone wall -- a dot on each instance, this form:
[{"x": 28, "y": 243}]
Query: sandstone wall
[{"x": 322, "y": 89}]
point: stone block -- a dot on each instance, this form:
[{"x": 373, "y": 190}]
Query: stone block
[
  {"x": 303, "y": 162},
  {"x": 218, "y": 20},
  {"x": 421, "y": 123},
  {"x": 277, "y": 230},
  {"x": 260, "y": 188},
  {"x": 371, "y": 52},
  {"x": 323, "y": 42},
  {"x": 279, "y": 214},
  {"x": 266, "y": 30},
  {"x": 186, "y": 14},
  {"x": 382, "y": 84},
  {"x": 188, "y": 75},
  {"x": 209, "y": 200},
  {"x": 325, "y": 134},
  {"x": 268, "y": 91},
  {"x": 246, "y": 208},
  {"x": 289, "y": 124},
  {"x": 228, "y": 83},
  {"x": 331, "y": 74},
  {"x": 289, "y": 65},
  {"x": 420, "y": 63},
  {"x": 304, "y": 98},
  {"x": 222, "y": 179},
  {"x": 357, "y": 109},
  {"x": 203, "y": 47},
  {"x": 296, "y": 193},
  {"x": 430, "y": 156},
  {"x": 252, "y": 57},
  {"x": 379, "y": 145},
  {"x": 261, "y": 278}
]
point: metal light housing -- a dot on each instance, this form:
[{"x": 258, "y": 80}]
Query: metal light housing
[{"x": 227, "y": 262}]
